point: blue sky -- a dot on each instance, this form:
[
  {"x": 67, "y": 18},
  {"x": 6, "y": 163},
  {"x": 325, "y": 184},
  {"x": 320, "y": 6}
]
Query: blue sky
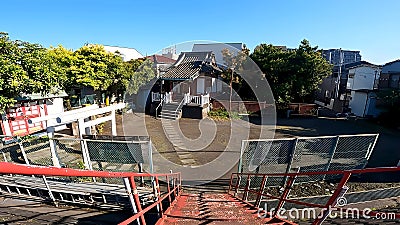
[{"x": 373, "y": 27}]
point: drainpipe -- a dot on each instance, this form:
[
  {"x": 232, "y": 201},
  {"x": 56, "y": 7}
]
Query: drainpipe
[{"x": 365, "y": 106}]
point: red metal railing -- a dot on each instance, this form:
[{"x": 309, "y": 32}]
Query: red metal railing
[
  {"x": 173, "y": 188},
  {"x": 235, "y": 188}
]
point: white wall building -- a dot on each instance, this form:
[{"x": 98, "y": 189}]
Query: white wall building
[
  {"x": 362, "y": 83},
  {"x": 126, "y": 53}
]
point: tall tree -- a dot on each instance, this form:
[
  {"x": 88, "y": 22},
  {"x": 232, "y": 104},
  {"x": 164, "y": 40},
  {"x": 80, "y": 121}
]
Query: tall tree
[
  {"x": 95, "y": 67},
  {"x": 273, "y": 62},
  {"x": 308, "y": 68},
  {"x": 142, "y": 72},
  {"x": 234, "y": 62},
  {"x": 294, "y": 75},
  {"x": 13, "y": 78},
  {"x": 42, "y": 70},
  {"x": 25, "y": 68},
  {"x": 64, "y": 60}
]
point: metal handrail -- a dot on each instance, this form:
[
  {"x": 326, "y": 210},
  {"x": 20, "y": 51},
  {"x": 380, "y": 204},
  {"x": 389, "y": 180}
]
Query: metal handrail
[
  {"x": 174, "y": 187},
  {"x": 179, "y": 106},
  {"x": 339, "y": 192},
  {"x": 159, "y": 105}
]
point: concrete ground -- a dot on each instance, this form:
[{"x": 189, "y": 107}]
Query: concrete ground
[
  {"x": 34, "y": 212},
  {"x": 387, "y": 153},
  {"x": 169, "y": 140}
]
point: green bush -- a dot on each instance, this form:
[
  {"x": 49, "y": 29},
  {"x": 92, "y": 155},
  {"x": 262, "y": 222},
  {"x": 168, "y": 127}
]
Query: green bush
[{"x": 222, "y": 114}]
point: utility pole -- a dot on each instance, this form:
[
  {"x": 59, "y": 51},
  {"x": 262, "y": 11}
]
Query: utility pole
[
  {"x": 339, "y": 73},
  {"x": 230, "y": 96}
]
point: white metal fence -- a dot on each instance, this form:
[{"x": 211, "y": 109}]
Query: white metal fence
[
  {"x": 306, "y": 154},
  {"x": 106, "y": 153}
]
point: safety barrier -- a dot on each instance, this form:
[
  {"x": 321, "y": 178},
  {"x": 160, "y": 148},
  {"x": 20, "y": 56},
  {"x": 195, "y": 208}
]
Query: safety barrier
[
  {"x": 111, "y": 153},
  {"x": 171, "y": 182},
  {"x": 306, "y": 154},
  {"x": 241, "y": 183}
]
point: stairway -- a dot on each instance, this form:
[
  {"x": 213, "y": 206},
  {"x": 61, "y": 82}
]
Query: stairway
[
  {"x": 214, "y": 208},
  {"x": 168, "y": 110}
]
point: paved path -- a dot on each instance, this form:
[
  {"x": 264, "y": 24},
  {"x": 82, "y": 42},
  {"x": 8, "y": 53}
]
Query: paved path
[{"x": 171, "y": 129}]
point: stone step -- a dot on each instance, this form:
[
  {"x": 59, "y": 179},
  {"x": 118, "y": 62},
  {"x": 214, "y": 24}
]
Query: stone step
[
  {"x": 168, "y": 113},
  {"x": 167, "y": 117}
]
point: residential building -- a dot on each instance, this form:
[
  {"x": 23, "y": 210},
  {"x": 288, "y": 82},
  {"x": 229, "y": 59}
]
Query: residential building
[
  {"x": 340, "y": 57},
  {"x": 161, "y": 63},
  {"x": 188, "y": 85},
  {"x": 217, "y": 48},
  {"x": 361, "y": 90},
  {"x": 332, "y": 91},
  {"x": 390, "y": 76},
  {"x": 127, "y": 54}
]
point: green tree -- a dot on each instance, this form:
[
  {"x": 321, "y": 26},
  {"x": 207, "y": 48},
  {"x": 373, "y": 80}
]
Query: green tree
[
  {"x": 41, "y": 68},
  {"x": 29, "y": 68},
  {"x": 13, "y": 78},
  {"x": 294, "y": 75},
  {"x": 64, "y": 61},
  {"x": 25, "y": 68},
  {"x": 308, "y": 69},
  {"x": 142, "y": 73},
  {"x": 95, "y": 67},
  {"x": 273, "y": 62},
  {"x": 234, "y": 62}
]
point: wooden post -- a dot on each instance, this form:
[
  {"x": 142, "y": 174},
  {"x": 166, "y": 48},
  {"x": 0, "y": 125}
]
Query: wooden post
[
  {"x": 85, "y": 152},
  {"x": 113, "y": 123}
]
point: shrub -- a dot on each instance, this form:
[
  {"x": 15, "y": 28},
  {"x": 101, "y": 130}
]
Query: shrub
[{"x": 222, "y": 114}]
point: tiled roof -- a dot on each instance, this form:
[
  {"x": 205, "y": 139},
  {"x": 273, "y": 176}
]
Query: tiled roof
[
  {"x": 395, "y": 61},
  {"x": 355, "y": 64},
  {"x": 189, "y": 65},
  {"x": 161, "y": 59}
]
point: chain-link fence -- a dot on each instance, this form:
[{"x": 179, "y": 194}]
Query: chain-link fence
[
  {"x": 119, "y": 153},
  {"x": 133, "y": 154},
  {"x": 305, "y": 154},
  {"x": 312, "y": 154},
  {"x": 10, "y": 150}
]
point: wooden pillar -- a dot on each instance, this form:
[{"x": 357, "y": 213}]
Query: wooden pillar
[{"x": 113, "y": 124}]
